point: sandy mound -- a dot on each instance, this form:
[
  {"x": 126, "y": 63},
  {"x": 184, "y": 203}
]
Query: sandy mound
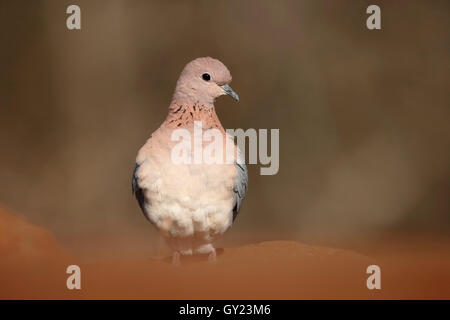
[
  {"x": 20, "y": 240},
  {"x": 276, "y": 269},
  {"x": 30, "y": 259},
  {"x": 32, "y": 265}
]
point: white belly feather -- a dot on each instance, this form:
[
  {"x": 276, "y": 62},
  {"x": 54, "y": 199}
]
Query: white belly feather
[{"x": 190, "y": 204}]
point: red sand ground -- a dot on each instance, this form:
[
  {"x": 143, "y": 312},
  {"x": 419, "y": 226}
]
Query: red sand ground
[{"x": 32, "y": 266}]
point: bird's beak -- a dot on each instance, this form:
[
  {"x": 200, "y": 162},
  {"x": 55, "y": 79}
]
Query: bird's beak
[{"x": 230, "y": 92}]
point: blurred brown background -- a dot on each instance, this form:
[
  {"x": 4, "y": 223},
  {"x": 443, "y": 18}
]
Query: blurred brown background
[{"x": 363, "y": 115}]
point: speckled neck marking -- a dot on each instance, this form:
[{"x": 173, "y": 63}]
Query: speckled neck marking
[{"x": 183, "y": 116}]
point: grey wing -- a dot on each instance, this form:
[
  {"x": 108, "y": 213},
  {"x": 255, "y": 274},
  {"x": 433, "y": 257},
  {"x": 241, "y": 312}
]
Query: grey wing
[
  {"x": 240, "y": 188},
  {"x": 138, "y": 191}
]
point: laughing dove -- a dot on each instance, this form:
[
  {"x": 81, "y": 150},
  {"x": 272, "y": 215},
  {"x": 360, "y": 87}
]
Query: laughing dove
[{"x": 191, "y": 203}]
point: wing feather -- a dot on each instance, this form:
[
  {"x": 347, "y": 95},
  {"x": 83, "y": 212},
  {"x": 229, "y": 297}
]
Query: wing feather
[
  {"x": 138, "y": 191},
  {"x": 240, "y": 188}
]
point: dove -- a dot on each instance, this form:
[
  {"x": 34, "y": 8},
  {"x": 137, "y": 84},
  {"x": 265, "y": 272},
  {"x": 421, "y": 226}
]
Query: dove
[{"x": 191, "y": 204}]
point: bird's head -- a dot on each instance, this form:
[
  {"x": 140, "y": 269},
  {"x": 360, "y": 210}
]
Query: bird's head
[{"x": 202, "y": 81}]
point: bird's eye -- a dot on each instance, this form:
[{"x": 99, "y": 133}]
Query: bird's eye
[{"x": 206, "y": 77}]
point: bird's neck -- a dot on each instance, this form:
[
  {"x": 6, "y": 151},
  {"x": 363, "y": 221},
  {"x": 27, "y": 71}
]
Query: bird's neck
[
  {"x": 184, "y": 94},
  {"x": 184, "y": 116}
]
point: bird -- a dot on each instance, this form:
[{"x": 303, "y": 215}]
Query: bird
[{"x": 191, "y": 204}]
